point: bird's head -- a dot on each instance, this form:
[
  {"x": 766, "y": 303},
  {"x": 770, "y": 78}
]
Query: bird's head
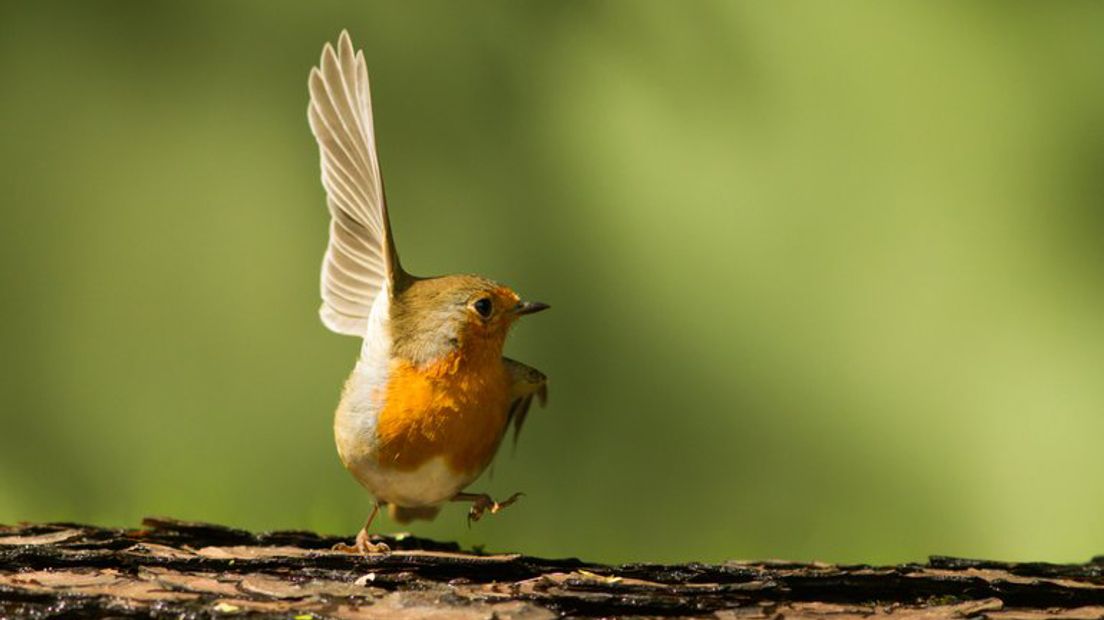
[{"x": 435, "y": 316}]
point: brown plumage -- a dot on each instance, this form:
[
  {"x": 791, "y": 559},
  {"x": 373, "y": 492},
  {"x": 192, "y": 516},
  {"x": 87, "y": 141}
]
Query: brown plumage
[{"x": 431, "y": 397}]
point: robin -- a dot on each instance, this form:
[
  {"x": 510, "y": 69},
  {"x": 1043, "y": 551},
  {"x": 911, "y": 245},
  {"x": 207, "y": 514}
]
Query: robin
[{"x": 431, "y": 396}]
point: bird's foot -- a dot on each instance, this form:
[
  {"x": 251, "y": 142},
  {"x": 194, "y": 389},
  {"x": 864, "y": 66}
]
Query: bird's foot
[
  {"x": 364, "y": 546},
  {"x": 481, "y": 503}
]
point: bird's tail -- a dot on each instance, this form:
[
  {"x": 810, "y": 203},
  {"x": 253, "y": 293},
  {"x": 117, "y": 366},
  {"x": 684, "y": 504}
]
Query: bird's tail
[{"x": 403, "y": 514}]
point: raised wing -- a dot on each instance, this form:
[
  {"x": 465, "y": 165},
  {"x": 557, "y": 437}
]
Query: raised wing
[{"x": 360, "y": 261}]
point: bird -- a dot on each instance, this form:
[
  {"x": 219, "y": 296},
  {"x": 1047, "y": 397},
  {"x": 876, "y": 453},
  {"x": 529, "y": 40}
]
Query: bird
[{"x": 431, "y": 396}]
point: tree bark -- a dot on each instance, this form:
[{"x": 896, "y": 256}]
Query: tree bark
[{"x": 180, "y": 569}]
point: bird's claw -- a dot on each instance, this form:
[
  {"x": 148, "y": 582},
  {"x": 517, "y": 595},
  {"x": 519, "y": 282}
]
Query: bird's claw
[
  {"x": 364, "y": 546},
  {"x": 484, "y": 502}
]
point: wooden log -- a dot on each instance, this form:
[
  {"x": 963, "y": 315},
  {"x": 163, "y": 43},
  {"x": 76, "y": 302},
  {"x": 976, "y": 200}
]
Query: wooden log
[{"x": 175, "y": 569}]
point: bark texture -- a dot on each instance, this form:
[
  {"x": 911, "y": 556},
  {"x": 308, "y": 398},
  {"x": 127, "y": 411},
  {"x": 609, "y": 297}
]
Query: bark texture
[{"x": 175, "y": 569}]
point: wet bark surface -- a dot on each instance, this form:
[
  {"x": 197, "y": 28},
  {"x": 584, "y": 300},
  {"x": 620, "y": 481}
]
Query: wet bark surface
[{"x": 175, "y": 569}]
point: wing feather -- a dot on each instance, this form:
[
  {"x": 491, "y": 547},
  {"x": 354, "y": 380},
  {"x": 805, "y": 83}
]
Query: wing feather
[
  {"x": 526, "y": 383},
  {"x": 360, "y": 261}
]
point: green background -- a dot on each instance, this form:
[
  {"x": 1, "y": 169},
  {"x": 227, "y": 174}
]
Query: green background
[{"x": 827, "y": 278}]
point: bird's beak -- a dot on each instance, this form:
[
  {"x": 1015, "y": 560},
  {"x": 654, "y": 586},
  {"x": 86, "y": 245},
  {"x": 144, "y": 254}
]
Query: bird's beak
[{"x": 529, "y": 307}]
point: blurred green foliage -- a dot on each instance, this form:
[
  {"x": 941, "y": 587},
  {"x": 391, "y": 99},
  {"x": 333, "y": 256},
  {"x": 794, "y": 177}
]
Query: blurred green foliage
[{"x": 827, "y": 278}]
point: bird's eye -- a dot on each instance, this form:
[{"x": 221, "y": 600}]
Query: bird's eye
[{"x": 483, "y": 306}]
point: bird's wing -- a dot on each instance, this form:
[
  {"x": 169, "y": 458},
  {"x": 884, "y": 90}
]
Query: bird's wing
[
  {"x": 526, "y": 383},
  {"x": 360, "y": 260}
]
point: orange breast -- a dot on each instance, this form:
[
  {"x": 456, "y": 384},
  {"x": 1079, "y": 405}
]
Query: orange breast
[{"x": 454, "y": 408}]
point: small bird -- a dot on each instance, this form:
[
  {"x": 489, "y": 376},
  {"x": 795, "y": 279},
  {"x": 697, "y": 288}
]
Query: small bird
[{"x": 431, "y": 396}]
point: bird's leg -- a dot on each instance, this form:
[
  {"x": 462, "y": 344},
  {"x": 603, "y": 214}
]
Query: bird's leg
[
  {"x": 364, "y": 544},
  {"x": 481, "y": 502}
]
